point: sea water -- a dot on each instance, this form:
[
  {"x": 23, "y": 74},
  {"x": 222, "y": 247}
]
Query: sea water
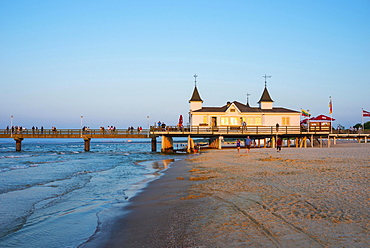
[{"x": 53, "y": 194}]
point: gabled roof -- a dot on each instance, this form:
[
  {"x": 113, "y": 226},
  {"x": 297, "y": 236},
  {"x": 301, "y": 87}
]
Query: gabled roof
[
  {"x": 265, "y": 96},
  {"x": 195, "y": 97},
  {"x": 245, "y": 109}
]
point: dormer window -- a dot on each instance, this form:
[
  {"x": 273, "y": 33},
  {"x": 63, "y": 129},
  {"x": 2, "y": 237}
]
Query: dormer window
[{"x": 232, "y": 110}]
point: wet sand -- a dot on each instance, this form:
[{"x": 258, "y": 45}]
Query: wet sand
[{"x": 300, "y": 197}]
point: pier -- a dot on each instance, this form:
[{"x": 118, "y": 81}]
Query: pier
[{"x": 262, "y": 135}]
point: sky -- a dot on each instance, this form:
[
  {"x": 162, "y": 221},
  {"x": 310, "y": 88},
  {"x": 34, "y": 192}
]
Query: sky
[{"x": 118, "y": 62}]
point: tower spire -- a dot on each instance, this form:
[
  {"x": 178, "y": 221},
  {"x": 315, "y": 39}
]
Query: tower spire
[
  {"x": 248, "y": 98},
  {"x": 195, "y": 79},
  {"x": 195, "y": 97},
  {"x": 266, "y": 78}
]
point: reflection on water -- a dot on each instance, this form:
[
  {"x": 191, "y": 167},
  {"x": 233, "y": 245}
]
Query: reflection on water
[{"x": 163, "y": 164}]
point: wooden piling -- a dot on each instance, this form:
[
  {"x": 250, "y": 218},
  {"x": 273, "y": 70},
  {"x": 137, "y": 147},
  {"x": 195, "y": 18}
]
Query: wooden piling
[
  {"x": 154, "y": 144},
  {"x": 87, "y": 144},
  {"x": 18, "y": 144}
]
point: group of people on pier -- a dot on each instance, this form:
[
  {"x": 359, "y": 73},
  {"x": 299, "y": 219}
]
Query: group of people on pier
[
  {"x": 20, "y": 129},
  {"x": 110, "y": 129},
  {"x": 131, "y": 129}
]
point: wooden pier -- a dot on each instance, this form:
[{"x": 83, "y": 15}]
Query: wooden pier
[{"x": 215, "y": 135}]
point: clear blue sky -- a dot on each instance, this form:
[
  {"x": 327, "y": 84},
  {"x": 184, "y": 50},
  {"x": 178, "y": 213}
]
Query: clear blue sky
[{"x": 117, "y": 62}]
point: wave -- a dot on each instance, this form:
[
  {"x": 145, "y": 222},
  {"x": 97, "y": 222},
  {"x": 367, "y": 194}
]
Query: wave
[
  {"x": 20, "y": 156},
  {"x": 18, "y": 167}
]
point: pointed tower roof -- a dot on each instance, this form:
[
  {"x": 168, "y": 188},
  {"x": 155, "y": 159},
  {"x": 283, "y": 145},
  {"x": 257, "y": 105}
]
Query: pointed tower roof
[
  {"x": 265, "y": 96},
  {"x": 195, "y": 97}
]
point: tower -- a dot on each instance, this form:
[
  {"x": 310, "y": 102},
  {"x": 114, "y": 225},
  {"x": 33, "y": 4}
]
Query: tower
[
  {"x": 265, "y": 102},
  {"x": 195, "y": 101}
]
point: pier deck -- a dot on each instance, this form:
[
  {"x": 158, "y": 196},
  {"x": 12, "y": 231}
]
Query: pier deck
[{"x": 255, "y": 132}]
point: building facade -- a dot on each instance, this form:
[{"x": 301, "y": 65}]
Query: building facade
[{"x": 236, "y": 114}]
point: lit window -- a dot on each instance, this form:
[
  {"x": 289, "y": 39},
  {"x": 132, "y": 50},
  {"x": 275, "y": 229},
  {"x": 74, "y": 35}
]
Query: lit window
[
  {"x": 286, "y": 121},
  {"x": 250, "y": 121},
  {"x": 234, "y": 121},
  {"x": 224, "y": 121},
  {"x": 258, "y": 121}
]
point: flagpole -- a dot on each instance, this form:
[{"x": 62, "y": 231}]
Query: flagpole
[
  {"x": 362, "y": 115},
  {"x": 331, "y": 115},
  {"x": 308, "y": 120}
]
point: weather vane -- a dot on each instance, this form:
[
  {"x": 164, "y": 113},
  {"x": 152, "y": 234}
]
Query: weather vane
[
  {"x": 248, "y": 97},
  {"x": 266, "y": 78},
  {"x": 195, "y": 77}
]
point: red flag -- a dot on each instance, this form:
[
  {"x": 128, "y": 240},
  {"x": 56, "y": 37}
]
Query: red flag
[
  {"x": 365, "y": 113},
  {"x": 330, "y": 107}
]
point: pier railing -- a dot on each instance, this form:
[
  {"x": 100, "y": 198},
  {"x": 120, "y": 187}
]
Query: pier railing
[
  {"x": 233, "y": 130},
  {"x": 73, "y": 133},
  {"x": 169, "y": 130}
]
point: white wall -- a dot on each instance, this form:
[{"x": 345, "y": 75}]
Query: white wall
[
  {"x": 267, "y": 119},
  {"x": 195, "y": 105}
]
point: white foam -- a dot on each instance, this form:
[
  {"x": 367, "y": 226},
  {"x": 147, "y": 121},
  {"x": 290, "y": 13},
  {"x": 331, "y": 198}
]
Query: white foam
[
  {"x": 17, "y": 167},
  {"x": 18, "y": 156}
]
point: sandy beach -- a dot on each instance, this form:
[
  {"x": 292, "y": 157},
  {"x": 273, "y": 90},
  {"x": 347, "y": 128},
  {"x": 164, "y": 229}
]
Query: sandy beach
[{"x": 299, "y": 197}]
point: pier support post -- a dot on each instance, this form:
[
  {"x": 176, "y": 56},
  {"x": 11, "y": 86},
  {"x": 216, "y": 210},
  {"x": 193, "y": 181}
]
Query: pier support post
[
  {"x": 312, "y": 140},
  {"x": 154, "y": 144},
  {"x": 190, "y": 147},
  {"x": 167, "y": 144},
  {"x": 18, "y": 144},
  {"x": 273, "y": 142},
  {"x": 87, "y": 144},
  {"x": 216, "y": 143}
]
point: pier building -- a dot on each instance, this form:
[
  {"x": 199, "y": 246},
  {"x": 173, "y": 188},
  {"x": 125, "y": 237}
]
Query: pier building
[{"x": 238, "y": 115}]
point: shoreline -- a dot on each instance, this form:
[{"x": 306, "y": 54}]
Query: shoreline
[
  {"x": 106, "y": 227},
  {"x": 300, "y": 197}
]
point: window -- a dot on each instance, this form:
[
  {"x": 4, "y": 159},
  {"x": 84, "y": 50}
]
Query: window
[
  {"x": 234, "y": 121},
  {"x": 205, "y": 119},
  {"x": 232, "y": 110},
  {"x": 224, "y": 121},
  {"x": 286, "y": 121},
  {"x": 254, "y": 121},
  {"x": 258, "y": 121},
  {"x": 250, "y": 121}
]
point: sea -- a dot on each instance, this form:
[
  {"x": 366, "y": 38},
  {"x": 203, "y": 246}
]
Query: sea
[{"x": 53, "y": 194}]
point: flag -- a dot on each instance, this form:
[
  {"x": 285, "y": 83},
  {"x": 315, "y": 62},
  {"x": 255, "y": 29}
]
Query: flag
[
  {"x": 305, "y": 113},
  {"x": 330, "y": 107},
  {"x": 365, "y": 113}
]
